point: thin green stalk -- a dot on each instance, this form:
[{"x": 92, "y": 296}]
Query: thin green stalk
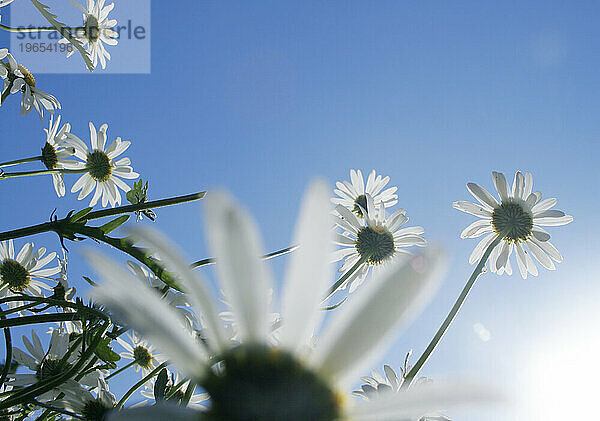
[
  {"x": 20, "y": 161},
  {"x": 8, "y": 358},
  {"x": 345, "y": 277},
  {"x": 6, "y": 92},
  {"x": 54, "y": 302},
  {"x": 139, "y": 384},
  {"x": 39, "y": 318},
  {"x": 17, "y": 309},
  {"x": 7, "y": 175},
  {"x": 409, "y": 378},
  {"x": 120, "y": 370},
  {"x": 56, "y": 409},
  {"x": 39, "y": 28},
  {"x": 212, "y": 260}
]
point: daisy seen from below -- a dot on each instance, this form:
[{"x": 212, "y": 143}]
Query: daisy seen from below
[
  {"x": 288, "y": 382},
  {"x": 518, "y": 217},
  {"x": 104, "y": 172},
  {"x": 97, "y": 31},
  {"x": 352, "y": 195},
  {"x": 175, "y": 390},
  {"x": 374, "y": 242},
  {"x": 81, "y": 401},
  {"x": 46, "y": 364},
  {"x": 55, "y": 154},
  {"x": 141, "y": 353},
  {"x": 24, "y": 272},
  {"x": 17, "y": 78}
]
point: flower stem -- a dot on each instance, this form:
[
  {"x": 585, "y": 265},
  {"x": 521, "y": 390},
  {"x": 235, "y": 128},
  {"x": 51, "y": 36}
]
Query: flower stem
[
  {"x": 212, "y": 260},
  {"x": 409, "y": 378},
  {"x": 345, "y": 277},
  {"x": 120, "y": 370},
  {"x": 39, "y": 28},
  {"x": 139, "y": 384},
  {"x": 5, "y": 175},
  {"x": 6, "y": 92},
  {"x": 8, "y": 358},
  {"x": 20, "y": 161}
]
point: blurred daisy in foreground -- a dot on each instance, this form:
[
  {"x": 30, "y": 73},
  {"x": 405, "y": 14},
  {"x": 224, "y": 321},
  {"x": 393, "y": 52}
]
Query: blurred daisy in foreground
[
  {"x": 97, "y": 31},
  {"x": 55, "y": 153},
  {"x": 352, "y": 195},
  {"x": 103, "y": 171},
  {"x": 519, "y": 216},
  {"x": 288, "y": 382},
  {"x": 372, "y": 243},
  {"x": 25, "y": 273}
]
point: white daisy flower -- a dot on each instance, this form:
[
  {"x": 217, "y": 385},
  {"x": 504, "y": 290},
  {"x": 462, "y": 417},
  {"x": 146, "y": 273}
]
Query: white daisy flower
[
  {"x": 519, "y": 216},
  {"x": 55, "y": 153},
  {"x": 103, "y": 171},
  {"x": 24, "y": 273},
  {"x": 97, "y": 31},
  {"x": 352, "y": 195},
  {"x": 23, "y": 81},
  {"x": 197, "y": 400},
  {"x": 82, "y": 402},
  {"x": 46, "y": 364},
  {"x": 373, "y": 242},
  {"x": 258, "y": 381},
  {"x": 141, "y": 353}
]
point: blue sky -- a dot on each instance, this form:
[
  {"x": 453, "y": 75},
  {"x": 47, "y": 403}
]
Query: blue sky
[{"x": 261, "y": 97}]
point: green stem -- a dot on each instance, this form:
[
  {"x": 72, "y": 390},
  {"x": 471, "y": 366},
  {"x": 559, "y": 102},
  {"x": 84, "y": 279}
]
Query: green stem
[
  {"x": 43, "y": 318},
  {"x": 120, "y": 370},
  {"x": 212, "y": 260},
  {"x": 6, "y": 92},
  {"x": 139, "y": 384},
  {"x": 409, "y": 378},
  {"x": 143, "y": 206},
  {"x": 6, "y": 175},
  {"x": 39, "y": 29},
  {"x": 56, "y": 409},
  {"x": 20, "y": 161},
  {"x": 54, "y": 302},
  {"x": 8, "y": 358},
  {"x": 345, "y": 277}
]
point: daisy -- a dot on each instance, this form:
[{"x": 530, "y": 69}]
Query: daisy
[
  {"x": 24, "y": 273},
  {"x": 97, "y": 30},
  {"x": 83, "y": 402},
  {"x": 258, "y": 381},
  {"x": 46, "y": 364},
  {"x": 353, "y": 195},
  {"x": 55, "y": 154},
  {"x": 197, "y": 400},
  {"x": 519, "y": 217},
  {"x": 141, "y": 353},
  {"x": 103, "y": 171},
  {"x": 373, "y": 242}
]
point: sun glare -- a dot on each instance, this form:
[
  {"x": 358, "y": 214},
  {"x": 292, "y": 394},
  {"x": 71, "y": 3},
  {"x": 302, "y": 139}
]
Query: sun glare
[{"x": 563, "y": 379}]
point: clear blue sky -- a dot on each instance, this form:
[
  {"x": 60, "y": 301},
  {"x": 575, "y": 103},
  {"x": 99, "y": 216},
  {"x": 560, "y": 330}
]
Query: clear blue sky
[{"x": 260, "y": 97}]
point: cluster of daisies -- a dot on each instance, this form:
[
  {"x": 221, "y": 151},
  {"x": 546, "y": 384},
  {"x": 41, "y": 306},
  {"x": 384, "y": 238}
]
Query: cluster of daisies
[
  {"x": 255, "y": 361},
  {"x": 95, "y": 32}
]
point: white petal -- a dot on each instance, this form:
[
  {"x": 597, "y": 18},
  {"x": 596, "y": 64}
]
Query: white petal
[
  {"x": 481, "y": 247},
  {"x": 309, "y": 271},
  {"x": 245, "y": 278},
  {"x": 549, "y": 249},
  {"x": 482, "y": 195},
  {"x": 544, "y": 205},
  {"x": 518, "y": 186},
  {"x": 192, "y": 283},
  {"x": 142, "y": 309},
  {"x": 540, "y": 255},
  {"x": 363, "y": 327},
  {"x": 472, "y": 208},
  {"x": 477, "y": 229}
]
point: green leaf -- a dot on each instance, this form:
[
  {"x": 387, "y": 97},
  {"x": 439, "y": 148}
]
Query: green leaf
[
  {"x": 80, "y": 214},
  {"x": 160, "y": 385},
  {"x": 105, "y": 352},
  {"x": 114, "y": 224},
  {"x": 51, "y": 18},
  {"x": 89, "y": 281}
]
